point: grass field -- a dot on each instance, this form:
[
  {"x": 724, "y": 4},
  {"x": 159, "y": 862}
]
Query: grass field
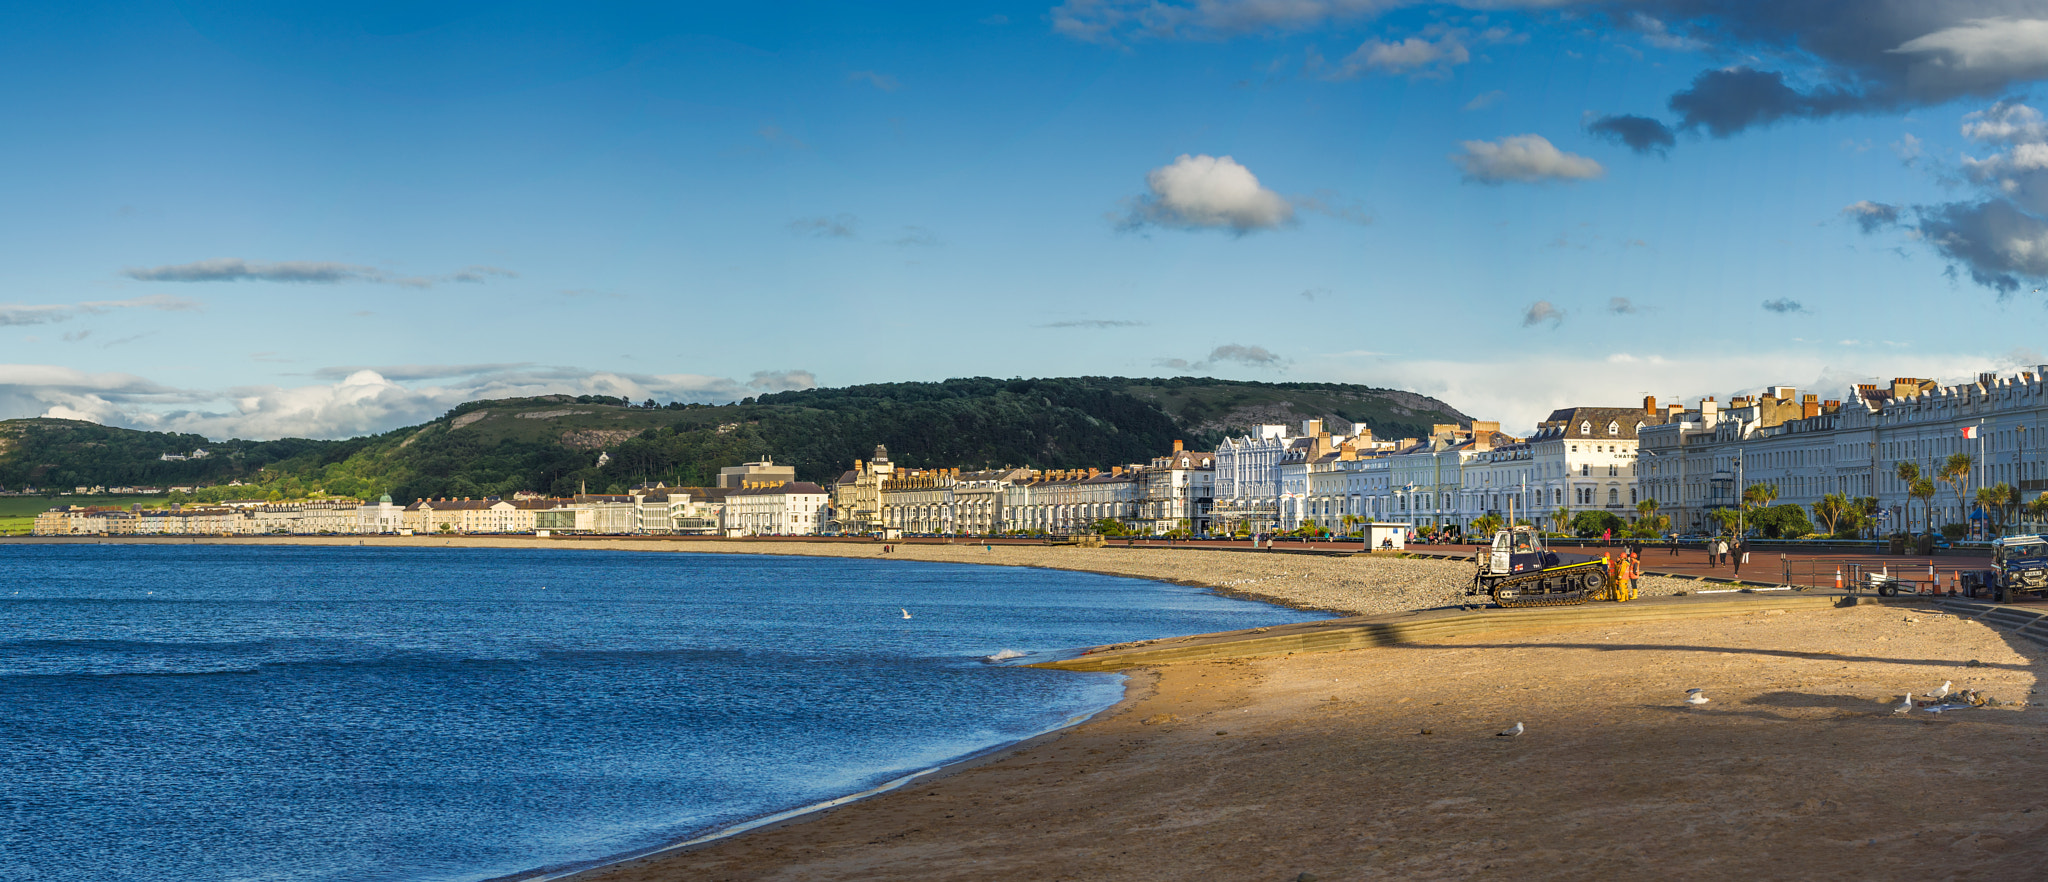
[{"x": 18, "y": 513}]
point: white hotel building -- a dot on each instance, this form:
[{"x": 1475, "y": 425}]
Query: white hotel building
[{"x": 1808, "y": 448}]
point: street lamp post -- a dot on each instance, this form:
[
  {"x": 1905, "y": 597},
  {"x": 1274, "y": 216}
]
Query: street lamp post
[{"x": 1738, "y": 494}]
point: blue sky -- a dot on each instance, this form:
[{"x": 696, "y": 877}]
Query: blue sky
[{"x": 236, "y": 220}]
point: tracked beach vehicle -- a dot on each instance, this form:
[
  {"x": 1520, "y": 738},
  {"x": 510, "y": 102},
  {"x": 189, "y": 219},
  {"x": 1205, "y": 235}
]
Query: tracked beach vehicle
[{"x": 1519, "y": 571}]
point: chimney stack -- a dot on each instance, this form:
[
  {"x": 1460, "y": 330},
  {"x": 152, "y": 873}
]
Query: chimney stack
[
  {"x": 1177, "y": 447},
  {"x": 1650, "y": 405}
]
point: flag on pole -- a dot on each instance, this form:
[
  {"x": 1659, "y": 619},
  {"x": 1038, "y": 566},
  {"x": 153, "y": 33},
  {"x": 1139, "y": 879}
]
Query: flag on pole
[{"x": 1969, "y": 431}]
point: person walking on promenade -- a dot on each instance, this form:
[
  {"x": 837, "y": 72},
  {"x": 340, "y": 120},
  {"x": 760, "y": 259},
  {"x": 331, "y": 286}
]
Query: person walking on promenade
[{"x": 1741, "y": 554}]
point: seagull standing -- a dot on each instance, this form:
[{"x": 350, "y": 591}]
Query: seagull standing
[
  {"x": 906, "y": 613},
  {"x": 1942, "y": 693},
  {"x": 1696, "y": 697},
  {"x": 1510, "y": 733},
  {"x": 1905, "y": 704}
]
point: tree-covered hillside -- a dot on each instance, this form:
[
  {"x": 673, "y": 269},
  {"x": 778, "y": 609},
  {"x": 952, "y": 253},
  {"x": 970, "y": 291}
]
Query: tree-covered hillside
[{"x": 552, "y": 444}]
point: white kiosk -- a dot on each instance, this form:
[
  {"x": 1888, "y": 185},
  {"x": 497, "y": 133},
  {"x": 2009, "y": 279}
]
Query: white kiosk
[{"x": 1386, "y": 536}]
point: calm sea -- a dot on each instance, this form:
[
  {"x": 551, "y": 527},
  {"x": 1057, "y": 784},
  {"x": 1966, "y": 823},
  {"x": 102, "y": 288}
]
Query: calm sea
[{"x": 238, "y": 713}]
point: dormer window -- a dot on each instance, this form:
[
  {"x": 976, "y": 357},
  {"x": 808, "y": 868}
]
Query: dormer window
[
  {"x": 1586, "y": 427},
  {"x": 1614, "y": 427}
]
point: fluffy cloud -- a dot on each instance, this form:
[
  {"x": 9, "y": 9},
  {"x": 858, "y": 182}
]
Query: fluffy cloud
[
  {"x": 1419, "y": 55},
  {"x": 1229, "y": 353},
  {"x": 24, "y": 314},
  {"x": 1485, "y": 100},
  {"x": 229, "y": 269},
  {"x": 1622, "y": 306},
  {"x": 1207, "y": 192},
  {"x": 405, "y": 373},
  {"x": 361, "y": 401},
  {"x": 1640, "y": 133},
  {"x": 1784, "y": 306},
  {"x": 1994, "y": 242},
  {"x": 1872, "y": 216},
  {"x": 2007, "y": 122},
  {"x": 1542, "y": 311},
  {"x": 1522, "y": 159},
  {"x": 781, "y": 381},
  {"x": 1999, "y": 240}
]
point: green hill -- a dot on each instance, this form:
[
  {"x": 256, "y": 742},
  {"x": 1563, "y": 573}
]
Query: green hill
[{"x": 552, "y": 443}]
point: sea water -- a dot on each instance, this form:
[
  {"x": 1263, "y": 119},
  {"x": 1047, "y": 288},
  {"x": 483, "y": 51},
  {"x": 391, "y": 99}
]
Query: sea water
[{"x": 201, "y": 712}]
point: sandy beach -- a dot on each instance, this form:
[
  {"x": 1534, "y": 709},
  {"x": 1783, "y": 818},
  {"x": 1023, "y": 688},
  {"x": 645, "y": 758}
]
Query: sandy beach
[{"x": 1384, "y": 763}]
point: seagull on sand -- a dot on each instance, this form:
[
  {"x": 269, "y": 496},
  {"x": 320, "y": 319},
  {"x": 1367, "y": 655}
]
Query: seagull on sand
[
  {"x": 1941, "y": 693},
  {"x": 906, "y": 613},
  {"x": 1905, "y": 704},
  {"x": 1510, "y": 733},
  {"x": 1696, "y": 696}
]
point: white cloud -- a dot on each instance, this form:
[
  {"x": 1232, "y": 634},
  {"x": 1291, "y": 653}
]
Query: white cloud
[
  {"x": 1485, "y": 100},
  {"x": 1542, "y": 311},
  {"x": 363, "y": 401},
  {"x": 1208, "y": 192},
  {"x": 1982, "y": 53},
  {"x": 1658, "y": 34},
  {"x": 1417, "y": 55},
  {"x": 25, "y": 314},
  {"x": 2007, "y": 122},
  {"x": 1522, "y": 159}
]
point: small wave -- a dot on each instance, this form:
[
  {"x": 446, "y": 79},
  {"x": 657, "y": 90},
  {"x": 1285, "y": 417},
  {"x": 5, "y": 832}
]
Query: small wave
[{"x": 1002, "y": 656}]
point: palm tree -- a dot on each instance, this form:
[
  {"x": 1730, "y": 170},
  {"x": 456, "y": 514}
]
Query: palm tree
[
  {"x": 1646, "y": 508},
  {"x": 1997, "y": 502},
  {"x": 1758, "y": 496},
  {"x": 1923, "y": 490},
  {"x": 1955, "y": 472},
  {"x": 1831, "y": 510},
  {"x": 1486, "y": 525},
  {"x": 2037, "y": 508},
  {"x": 1909, "y": 475},
  {"x": 1560, "y": 519}
]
